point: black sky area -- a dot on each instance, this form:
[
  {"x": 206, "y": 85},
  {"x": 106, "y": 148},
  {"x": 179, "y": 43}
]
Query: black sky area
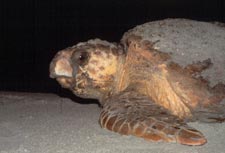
[{"x": 32, "y": 31}]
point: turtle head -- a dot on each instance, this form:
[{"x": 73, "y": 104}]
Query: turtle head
[{"x": 89, "y": 68}]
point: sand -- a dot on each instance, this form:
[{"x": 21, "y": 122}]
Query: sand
[{"x": 48, "y": 123}]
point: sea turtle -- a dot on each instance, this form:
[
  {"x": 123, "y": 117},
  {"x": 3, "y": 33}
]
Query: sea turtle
[{"x": 151, "y": 83}]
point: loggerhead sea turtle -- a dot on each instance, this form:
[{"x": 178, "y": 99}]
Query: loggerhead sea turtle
[{"x": 151, "y": 83}]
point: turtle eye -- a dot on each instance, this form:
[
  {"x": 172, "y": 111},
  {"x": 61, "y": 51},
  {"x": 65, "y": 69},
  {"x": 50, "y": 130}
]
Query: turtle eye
[
  {"x": 83, "y": 56},
  {"x": 80, "y": 57}
]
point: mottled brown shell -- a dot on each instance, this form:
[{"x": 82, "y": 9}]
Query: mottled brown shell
[{"x": 187, "y": 42}]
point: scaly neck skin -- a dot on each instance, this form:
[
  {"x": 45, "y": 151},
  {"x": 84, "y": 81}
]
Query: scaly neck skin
[
  {"x": 120, "y": 81},
  {"x": 126, "y": 75}
]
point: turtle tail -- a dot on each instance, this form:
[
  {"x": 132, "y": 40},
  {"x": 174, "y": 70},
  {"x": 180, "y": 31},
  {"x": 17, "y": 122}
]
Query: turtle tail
[{"x": 214, "y": 111}]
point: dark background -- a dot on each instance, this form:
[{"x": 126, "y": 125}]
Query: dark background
[{"x": 32, "y": 31}]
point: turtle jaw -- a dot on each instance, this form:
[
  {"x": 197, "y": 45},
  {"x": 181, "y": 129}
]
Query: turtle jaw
[{"x": 60, "y": 69}]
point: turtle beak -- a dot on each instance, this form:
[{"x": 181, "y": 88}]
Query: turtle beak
[{"x": 60, "y": 65}]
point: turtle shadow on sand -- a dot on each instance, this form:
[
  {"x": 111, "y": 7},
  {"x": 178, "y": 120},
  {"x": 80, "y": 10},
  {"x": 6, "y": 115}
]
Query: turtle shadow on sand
[{"x": 67, "y": 94}]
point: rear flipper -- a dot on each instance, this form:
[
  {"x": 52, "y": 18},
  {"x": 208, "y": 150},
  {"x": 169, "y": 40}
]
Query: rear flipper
[
  {"x": 212, "y": 113},
  {"x": 132, "y": 114},
  {"x": 214, "y": 110}
]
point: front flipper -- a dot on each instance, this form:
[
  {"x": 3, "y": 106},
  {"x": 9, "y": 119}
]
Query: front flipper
[{"x": 130, "y": 113}]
